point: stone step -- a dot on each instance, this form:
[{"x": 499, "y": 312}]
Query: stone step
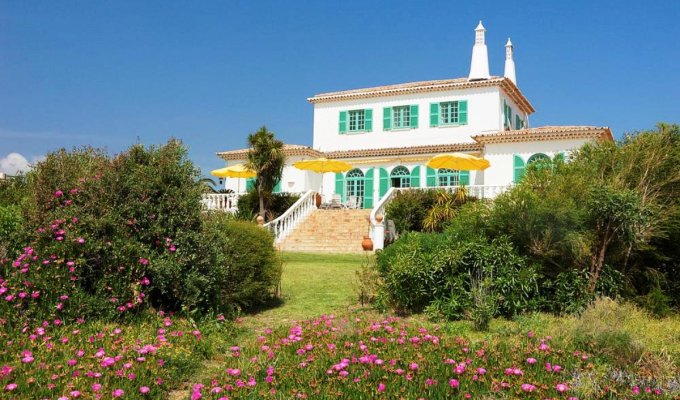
[{"x": 329, "y": 231}]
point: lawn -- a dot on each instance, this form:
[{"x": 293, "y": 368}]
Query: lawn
[{"x": 312, "y": 285}]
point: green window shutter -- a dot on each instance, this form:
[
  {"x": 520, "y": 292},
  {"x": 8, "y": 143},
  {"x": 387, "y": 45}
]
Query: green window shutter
[
  {"x": 431, "y": 177},
  {"x": 250, "y": 184},
  {"x": 518, "y": 122},
  {"x": 368, "y": 120},
  {"x": 384, "y": 182},
  {"x": 340, "y": 185},
  {"x": 414, "y": 117},
  {"x": 415, "y": 176},
  {"x": 434, "y": 114},
  {"x": 368, "y": 189},
  {"x": 518, "y": 169},
  {"x": 462, "y": 112},
  {"x": 277, "y": 187},
  {"x": 505, "y": 114},
  {"x": 464, "y": 178},
  {"x": 387, "y": 118},
  {"x": 343, "y": 122}
]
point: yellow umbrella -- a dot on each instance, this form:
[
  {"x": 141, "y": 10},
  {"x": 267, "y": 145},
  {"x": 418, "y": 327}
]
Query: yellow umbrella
[
  {"x": 235, "y": 171},
  {"x": 322, "y": 165},
  {"x": 458, "y": 161}
]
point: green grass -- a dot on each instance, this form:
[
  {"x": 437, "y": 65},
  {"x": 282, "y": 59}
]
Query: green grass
[{"x": 312, "y": 285}]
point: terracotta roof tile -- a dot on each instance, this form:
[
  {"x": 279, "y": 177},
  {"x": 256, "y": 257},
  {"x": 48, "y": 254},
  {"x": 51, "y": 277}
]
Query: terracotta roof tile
[
  {"x": 546, "y": 133},
  {"x": 288, "y": 149},
  {"x": 405, "y": 151},
  {"x": 427, "y": 86}
]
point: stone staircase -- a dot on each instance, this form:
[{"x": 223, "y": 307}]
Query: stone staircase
[{"x": 329, "y": 231}]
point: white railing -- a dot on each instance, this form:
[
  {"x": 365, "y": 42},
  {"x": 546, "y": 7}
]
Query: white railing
[
  {"x": 220, "y": 201},
  {"x": 377, "y": 227},
  {"x": 285, "y": 223}
]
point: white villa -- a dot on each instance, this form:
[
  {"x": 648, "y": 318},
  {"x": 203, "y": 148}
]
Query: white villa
[{"x": 388, "y": 133}]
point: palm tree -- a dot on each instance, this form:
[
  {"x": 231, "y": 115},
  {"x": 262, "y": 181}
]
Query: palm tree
[{"x": 266, "y": 158}]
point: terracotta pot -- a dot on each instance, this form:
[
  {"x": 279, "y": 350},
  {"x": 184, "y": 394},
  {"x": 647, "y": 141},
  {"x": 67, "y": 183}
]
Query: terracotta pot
[
  {"x": 318, "y": 200},
  {"x": 367, "y": 243}
]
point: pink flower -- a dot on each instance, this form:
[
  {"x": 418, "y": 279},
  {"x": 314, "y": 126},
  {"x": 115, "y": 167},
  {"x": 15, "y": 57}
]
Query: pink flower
[
  {"x": 58, "y": 193},
  {"x": 96, "y": 387},
  {"x": 413, "y": 366},
  {"x": 561, "y": 387},
  {"x": 381, "y": 387},
  {"x": 75, "y": 394},
  {"x": 118, "y": 393},
  {"x": 527, "y": 387},
  {"x": 481, "y": 371},
  {"x": 636, "y": 390},
  {"x": 80, "y": 240},
  {"x": 454, "y": 383},
  {"x": 10, "y": 387},
  {"x": 531, "y": 361}
]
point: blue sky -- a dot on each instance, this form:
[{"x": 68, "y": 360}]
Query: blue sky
[{"x": 109, "y": 74}]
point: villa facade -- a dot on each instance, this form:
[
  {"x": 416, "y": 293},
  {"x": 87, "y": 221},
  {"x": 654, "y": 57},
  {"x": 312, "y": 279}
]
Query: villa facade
[{"x": 387, "y": 133}]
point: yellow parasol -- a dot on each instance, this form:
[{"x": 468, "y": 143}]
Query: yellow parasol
[
  {"x": 322, "y": 165},
  {"x": 235, "y": 171},
  {"x": 458, "y": 161}
]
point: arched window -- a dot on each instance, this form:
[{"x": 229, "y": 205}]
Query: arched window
[
  {"x": 400, "y": 177},
  {"x": 538, "y": 157},
  {"x": 448, "y": 177},
  {"x": 355, "y": 183}
]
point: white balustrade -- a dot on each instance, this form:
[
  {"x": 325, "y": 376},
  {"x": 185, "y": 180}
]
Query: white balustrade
[
  {"x": 378, "y": 229},
  {"x": 227, "y": 202},
  {"x": 284, "y": 224}
]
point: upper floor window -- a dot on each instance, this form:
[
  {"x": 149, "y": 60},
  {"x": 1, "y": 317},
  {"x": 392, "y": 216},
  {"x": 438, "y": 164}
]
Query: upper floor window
[
  {"x": 400, "y": 117},
  {"x": 355, "y": 121},
  {"x": 449, "y": 113}
]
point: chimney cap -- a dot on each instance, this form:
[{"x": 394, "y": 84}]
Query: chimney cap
[
  {"x": 480, "y": 27},
  {"x": 509, "y": 43}
]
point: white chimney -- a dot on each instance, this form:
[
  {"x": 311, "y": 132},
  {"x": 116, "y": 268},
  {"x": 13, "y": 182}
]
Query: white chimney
[
  {"x": 479, "y": 67},
  {"x": 509, "y": 63}
]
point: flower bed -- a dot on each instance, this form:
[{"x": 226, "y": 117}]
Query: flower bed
[
  {"x": 328, "y": 358},
  {"x": 93, "y": 361}
]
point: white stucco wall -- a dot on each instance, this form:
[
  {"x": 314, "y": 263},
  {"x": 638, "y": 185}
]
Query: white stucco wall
[
  {"x": 483, "y": 107},
  {"x": 500, "y": 156}
]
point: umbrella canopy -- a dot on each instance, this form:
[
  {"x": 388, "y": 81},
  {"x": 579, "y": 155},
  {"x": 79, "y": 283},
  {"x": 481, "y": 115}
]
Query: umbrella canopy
[
  {"x": 459, "y": 161},
  {"x": 323, "y": 165},
  {"x": 235, "y": 171}
]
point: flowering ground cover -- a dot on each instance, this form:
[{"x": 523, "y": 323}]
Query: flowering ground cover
[
  {"x": 91, "y": 360},
  {"x": 356, "y": 354},
  {"x": 331, "y": 357}
]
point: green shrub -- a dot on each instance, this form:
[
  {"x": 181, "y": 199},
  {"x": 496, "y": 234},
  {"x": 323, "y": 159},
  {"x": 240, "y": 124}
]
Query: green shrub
[
  {"x": 111, "y": 235},
  {"x": 10, "y": 230},
  {"x": 416, "y": 270},
  {"x": 278, "y": 203},
  {"x": 246, "y": 267},
  {"x": 435, "y": 271},
  {"x": 408, "y": 209}
]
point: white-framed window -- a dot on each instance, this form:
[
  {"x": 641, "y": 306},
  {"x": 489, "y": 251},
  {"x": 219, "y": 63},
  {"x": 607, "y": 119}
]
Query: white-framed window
[
  {"x": 357, "y": 120},
  {"x": 449, "y": 112},
  {"x": 448, "y": 177},
  {"x": 401, "y": 117}
]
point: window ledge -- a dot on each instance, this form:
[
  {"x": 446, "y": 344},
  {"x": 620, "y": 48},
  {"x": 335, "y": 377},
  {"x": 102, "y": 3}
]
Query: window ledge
[{"x": 449, "y": 125}]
